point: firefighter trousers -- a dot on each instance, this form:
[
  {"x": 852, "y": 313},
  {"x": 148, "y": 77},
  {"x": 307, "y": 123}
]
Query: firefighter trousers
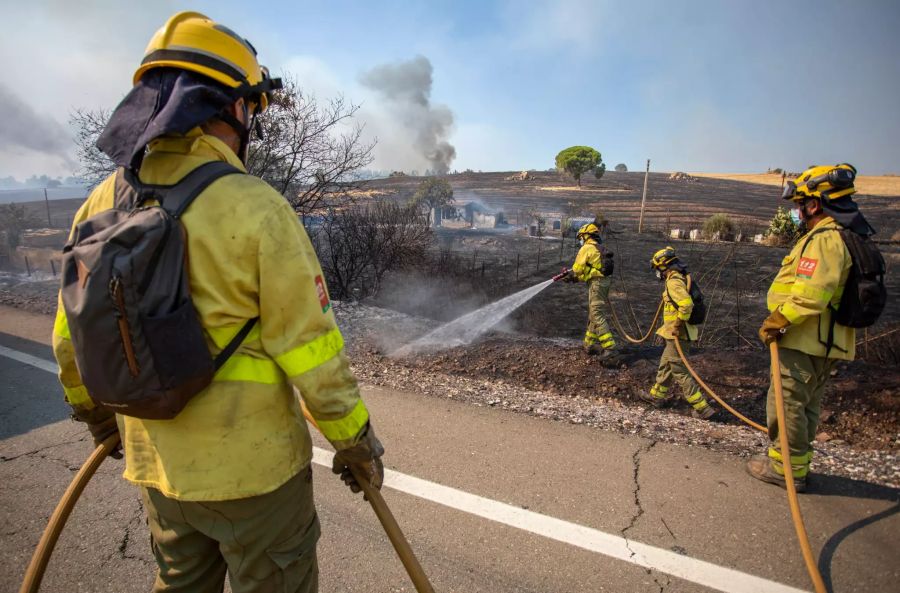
[
  {"x": 671, "y": 367},
  {"x": 598, "y": 331},
  {"x": 803, "y": 379},
  {"x": 266, "y": 543}
]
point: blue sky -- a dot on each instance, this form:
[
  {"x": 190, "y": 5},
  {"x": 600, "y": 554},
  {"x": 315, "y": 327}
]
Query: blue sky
[{"x": 693, "y": 85}]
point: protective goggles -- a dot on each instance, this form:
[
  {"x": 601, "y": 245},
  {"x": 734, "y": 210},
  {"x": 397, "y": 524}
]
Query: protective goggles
[{"x": 260, "y": 94}]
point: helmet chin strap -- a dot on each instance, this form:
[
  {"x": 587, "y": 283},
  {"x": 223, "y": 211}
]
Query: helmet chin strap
[{"x": 242, "y": 130}]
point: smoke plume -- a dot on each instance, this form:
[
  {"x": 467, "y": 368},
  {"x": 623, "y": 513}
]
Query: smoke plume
[
  {"x": 406, "y": 89},
  {"x": 22, "y": 127}
]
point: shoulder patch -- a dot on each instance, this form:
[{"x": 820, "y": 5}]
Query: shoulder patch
[
  {"x": 807, "y": 267},
  {"x": 323, "y": 294}
]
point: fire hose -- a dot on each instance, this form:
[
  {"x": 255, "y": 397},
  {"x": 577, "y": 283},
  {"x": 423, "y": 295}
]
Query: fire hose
[
  {"x": 714, "y": 395},
  {"x": 793, "y": 502},
  {"x": 562, "y": 276},
  {"x": 625, "y": 335},
  {"x": 34, "y": 574},
  {"x": 390, "y": 525}
]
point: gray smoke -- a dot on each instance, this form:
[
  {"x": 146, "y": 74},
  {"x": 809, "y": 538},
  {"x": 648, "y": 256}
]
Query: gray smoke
[
  {"x": 406, "y": 88},
  {"x": 22, "y": 127}
]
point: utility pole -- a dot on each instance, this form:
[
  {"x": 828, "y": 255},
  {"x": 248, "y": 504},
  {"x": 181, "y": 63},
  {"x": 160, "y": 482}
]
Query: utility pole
[
  {"x": 47, "y": 201},
  {"x": 644, "y": 198}
]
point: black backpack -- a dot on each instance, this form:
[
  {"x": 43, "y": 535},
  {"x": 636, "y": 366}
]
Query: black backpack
[
  {"x": 139, "y": 345},
  {"x": 607, "y": 262},
  {"x": 698, "y": 313},
  {"x": 864, "y": 294}
]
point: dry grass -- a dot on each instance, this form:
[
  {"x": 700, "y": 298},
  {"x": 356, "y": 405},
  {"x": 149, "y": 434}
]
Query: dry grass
[
  {"x": 871, "y": 185},
  {"x": 585, "y": 188},
  {"x": 369, "y": 193}
]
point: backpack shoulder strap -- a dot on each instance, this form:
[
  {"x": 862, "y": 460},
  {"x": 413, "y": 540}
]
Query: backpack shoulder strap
[
  {"x": 131, "y": 192},
  {"x": 687, "y": 283},
  {"x": 233, "y": 345},
  {"x": 812, "y": 234},
  {"x": 183, "y": 193}
]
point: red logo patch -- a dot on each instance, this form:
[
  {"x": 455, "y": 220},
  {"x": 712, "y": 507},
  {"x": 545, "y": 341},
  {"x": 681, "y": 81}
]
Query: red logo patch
[
  {"x": 807, "y": 267},
  {"x": 323, "y": 294}
]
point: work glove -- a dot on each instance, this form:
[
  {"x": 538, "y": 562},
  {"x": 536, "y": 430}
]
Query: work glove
[
  {"x": 101, "y": 423},
  {"x": 773, "y": 327},
  {"x": 364, "y": 456},
  {"x": 570, "y": 276}
]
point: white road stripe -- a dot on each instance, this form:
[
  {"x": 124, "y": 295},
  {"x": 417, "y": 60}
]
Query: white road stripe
[
  {"x": 44, "y": 365},
  {"x": 615, "y": 546},
  {"x": 684, "y": 567}
]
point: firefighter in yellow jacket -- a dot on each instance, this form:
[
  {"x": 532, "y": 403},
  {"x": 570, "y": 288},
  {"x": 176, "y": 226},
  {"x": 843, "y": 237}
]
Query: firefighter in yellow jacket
[
  {"x": 593, "y": 265},
  {"x": 801, "y": 301},
  {"x": 227, "y": 483},
  {"x": 677, "y": 309}
]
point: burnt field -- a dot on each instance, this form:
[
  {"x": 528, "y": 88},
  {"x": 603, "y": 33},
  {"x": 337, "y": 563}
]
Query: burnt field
[
  {"x": 480, "y": 265},
  {"x": 483, "y": 265}
]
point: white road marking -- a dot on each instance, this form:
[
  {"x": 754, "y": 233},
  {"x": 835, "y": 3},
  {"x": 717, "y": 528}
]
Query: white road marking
[
  {"x": 615, "y": 546},
  {"x": 44, "y": 365}
]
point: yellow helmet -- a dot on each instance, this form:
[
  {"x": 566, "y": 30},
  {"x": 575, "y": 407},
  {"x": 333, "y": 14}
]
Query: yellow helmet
[
  {"x": 828, "y": 182},
  {"x": 589, "y": 230},
  {"x": 192, "y": 41},
  {"x": 663, "y": 258}
]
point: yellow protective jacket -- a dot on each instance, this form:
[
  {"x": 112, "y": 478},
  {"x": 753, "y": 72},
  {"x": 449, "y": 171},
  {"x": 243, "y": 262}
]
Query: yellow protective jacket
[
  {"x": 677, "y": 304},
  {"x": 589, "y": 262},
  {"x": 812, "y": 277},
  {"x": 249, "y": 256}
]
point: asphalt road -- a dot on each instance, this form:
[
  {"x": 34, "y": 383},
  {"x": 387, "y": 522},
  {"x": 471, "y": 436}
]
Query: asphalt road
[{"x": 538, "y": 505}]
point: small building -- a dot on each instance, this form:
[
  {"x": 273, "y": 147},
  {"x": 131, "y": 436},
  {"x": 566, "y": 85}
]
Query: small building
[{"x": 479, "y": 215}]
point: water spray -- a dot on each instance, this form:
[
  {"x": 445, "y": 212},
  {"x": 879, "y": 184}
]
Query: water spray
[{"x": 466, "y": 329}]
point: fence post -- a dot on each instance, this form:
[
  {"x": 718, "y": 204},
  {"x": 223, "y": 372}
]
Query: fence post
[
  {"x": 27, "y": 266},
  {"x": 562, "y": 243},
  {"x": 482, "y": 268},
  {"x": 53, "y": 267},
  {"x": 737, "y": 289},
  {"x": 474, "y": 253},
  {"x": 539, "y": 256},
  {"x": 644, "y": 198},
  {"x": 517, "y": 265}
]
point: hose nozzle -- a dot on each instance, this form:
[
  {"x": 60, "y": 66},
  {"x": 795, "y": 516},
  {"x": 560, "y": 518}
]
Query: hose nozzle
[{"x": 561, "y": 275}]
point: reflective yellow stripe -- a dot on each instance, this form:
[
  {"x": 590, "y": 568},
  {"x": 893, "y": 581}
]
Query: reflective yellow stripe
[
  {"x": 780, "y": 288},
  {"x": 591, "y": 335},
  {"x": 811, "y": 292},
  {"x": 310, "y": 355},
  {"x": 801, "y": 289},
  {"x": 695, "y": 398},
  {"x": 799, "y": 463},
  {"x": 78, "y": 396},
  {"x": 790, "y": 313},
  {"x": 61, "y": 325},
  {"x": 660, "y": 388},
  {"x": 241, "y": 367},
  {"x": 606, "y": 336},
  {"x": 347, "y": 427},
  {"x": 683, "y": 302},
  {"x": 221, "y": 336}
]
